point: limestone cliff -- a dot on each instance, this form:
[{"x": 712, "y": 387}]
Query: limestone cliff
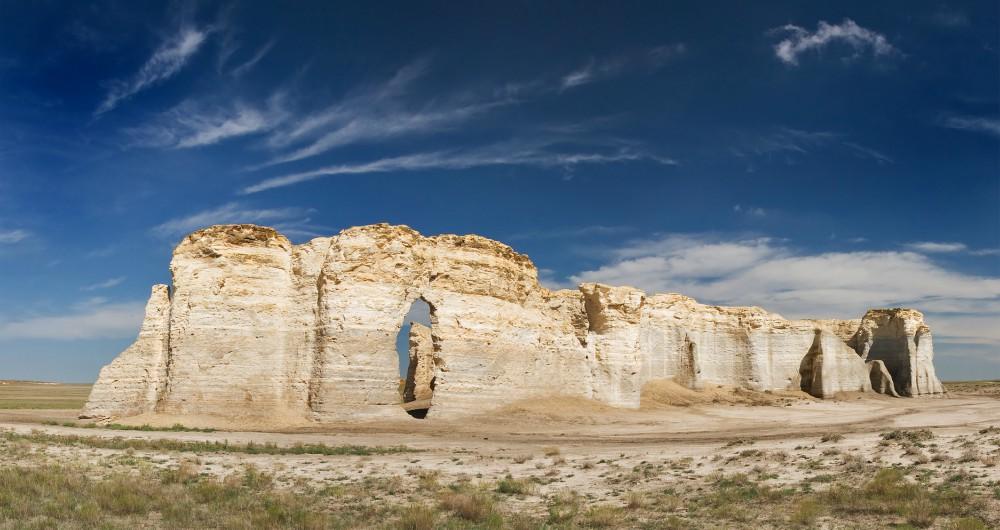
[{"x": 258, "y": 327}]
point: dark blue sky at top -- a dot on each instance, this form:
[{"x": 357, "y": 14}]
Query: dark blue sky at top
[{"x": 667, "y": 145}]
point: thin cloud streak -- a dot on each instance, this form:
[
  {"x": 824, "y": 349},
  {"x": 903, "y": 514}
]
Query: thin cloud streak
[
  {"x": 973, "y": 123},
  {"x": 165, "y": 62},
  {"x": 231, "y": 213},
  {"x": 242, "y": 69},
  {"x": 452, "y": 160},
  {"x": 598, "y": 70},
  {"x": 936, "y": 247},
  {"x": 106, "y": 284}
]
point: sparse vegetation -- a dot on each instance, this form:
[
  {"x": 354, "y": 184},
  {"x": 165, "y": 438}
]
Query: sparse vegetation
[
  {"x": 203, "y": 447},
  {"x": 177, "y": 427}
]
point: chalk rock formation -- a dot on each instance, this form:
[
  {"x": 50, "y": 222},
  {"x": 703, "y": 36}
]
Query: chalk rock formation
[
  {"x": 256, "y": 327},
  {"x": 902, "y": 341},
  {"x": 423, "y": 366}
]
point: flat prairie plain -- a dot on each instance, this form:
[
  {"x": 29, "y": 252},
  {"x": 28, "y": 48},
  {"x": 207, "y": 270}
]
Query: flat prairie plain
[{"x": 715, "y": 459}]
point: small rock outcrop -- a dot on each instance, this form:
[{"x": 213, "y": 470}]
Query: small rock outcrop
[
  {"x": 880, "y": 378},
  {"x": 255, "y": 327},
  {"x": 902, "y": 341},
  {"x": 423, "y": 366}
]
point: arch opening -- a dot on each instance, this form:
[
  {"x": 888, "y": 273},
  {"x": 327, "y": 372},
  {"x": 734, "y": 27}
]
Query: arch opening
[{"x": 417, "y": 359}]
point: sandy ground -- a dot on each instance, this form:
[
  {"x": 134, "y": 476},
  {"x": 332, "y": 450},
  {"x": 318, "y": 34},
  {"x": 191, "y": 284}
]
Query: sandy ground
[{"x": 577, "y": 447}]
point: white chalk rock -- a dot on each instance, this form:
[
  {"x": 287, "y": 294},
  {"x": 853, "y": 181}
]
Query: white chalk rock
[{"x": 262, "y": 329}]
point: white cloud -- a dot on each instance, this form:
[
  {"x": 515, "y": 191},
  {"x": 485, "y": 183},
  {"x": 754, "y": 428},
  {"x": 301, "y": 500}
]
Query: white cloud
[
  {"x": 934, "y": 247},
  {"x": 799, "y": 284},
  {"x": 501, "y": 154},
  {"x": 9, "y": 237},
  {"x": 106, "y": 284},
  {"x": 95, "y": 320},
  {"x": 988, "y": 125},
  {"x": 232, "y": 213},
  {"x": 165, "y": 62},
  {"x": 848, "y": 32}
]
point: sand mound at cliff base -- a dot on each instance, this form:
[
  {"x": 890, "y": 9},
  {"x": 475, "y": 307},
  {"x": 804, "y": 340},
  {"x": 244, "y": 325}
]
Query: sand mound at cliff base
[{"x": 665, "y": 392}]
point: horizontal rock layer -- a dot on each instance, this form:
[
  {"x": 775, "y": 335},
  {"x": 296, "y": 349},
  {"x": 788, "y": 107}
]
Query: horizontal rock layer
[{"x": 258, "y": 327}]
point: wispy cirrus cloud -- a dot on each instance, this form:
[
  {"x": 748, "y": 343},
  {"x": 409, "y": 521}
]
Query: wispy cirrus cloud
[
  {"x": 287, "y": 219},
  {"x": 504, "y": 154},
  {"x": 790, "y": 143},
  {"x": 166, "y": 61},
  {"x": 9, "y": 237},
  {"x": 604, "y": 68},
  {"x": 193, "y": 124},
  {"x": 376, "y": 114},
  {"x": 801, "y": 40},
  {"x": 983, "y": 124},
  {"x": 387, "y": 111},
  {"x": 106, "y": 284}
]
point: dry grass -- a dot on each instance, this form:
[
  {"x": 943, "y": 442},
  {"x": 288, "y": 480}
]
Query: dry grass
[
  {"x": 51, "y": 396},
  {"x": 204, "y": 447}
]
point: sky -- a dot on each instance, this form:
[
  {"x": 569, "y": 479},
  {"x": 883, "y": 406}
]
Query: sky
[{"x": 815, "y": 159}]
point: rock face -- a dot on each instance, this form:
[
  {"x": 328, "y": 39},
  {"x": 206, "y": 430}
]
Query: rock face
[
  {"x": 831, "y": 367},
  {"x": 256, "y": 327}
]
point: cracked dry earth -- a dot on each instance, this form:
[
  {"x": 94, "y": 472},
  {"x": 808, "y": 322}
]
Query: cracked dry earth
[{"x": 797, "y": 463}]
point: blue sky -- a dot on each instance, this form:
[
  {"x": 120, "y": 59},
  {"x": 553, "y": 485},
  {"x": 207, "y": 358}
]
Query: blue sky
[{"x": 814, "y": 159}]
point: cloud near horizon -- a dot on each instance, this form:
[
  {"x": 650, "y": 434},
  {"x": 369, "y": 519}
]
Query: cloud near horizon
[
  {"x": 95, "y": 320},
  {"x": 772, "y": 274}
]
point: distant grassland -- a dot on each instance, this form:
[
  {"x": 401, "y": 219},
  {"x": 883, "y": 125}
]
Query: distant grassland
[
  {"x": 32, "y": 395},
  {"x": 979, "y": 388}
]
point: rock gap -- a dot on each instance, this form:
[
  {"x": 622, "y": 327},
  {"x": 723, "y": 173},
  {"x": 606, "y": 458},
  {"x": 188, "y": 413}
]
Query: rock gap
[{"x": 417, "y": 365}]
